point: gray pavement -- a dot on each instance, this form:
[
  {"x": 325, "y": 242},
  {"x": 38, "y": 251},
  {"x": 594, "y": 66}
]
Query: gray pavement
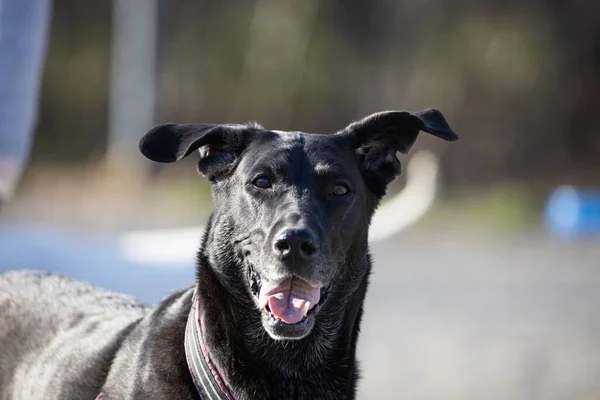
[{"x": 457, "y": 316}]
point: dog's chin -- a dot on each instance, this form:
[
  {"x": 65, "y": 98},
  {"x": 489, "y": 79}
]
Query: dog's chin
[{"x": 282, "y": 328}]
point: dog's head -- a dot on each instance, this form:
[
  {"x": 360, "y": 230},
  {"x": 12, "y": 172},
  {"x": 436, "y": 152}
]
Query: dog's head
[{"x": 291, "y": 209}]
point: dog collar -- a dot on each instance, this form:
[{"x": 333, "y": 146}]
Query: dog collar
[{"x": 207, "y": 379}]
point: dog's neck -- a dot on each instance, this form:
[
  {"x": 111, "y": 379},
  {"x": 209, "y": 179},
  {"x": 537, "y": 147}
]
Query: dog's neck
[{"x": 322, "y": 365}]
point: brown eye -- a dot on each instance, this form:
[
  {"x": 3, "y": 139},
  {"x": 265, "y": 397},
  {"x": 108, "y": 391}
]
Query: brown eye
[
  {"x": 262, "y": 182},
  {"x": 339, "y": 189}
]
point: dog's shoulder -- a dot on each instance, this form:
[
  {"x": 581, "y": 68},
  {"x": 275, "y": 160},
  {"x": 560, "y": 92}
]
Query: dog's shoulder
[{"x": 151, "y": 361}]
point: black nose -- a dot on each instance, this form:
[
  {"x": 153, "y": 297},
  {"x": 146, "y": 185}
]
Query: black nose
[{"x": 297, "y": 244}]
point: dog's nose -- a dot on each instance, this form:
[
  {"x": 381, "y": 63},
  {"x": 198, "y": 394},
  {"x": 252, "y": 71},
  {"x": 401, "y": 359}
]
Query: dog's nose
[{"x": 297, "y": 244}]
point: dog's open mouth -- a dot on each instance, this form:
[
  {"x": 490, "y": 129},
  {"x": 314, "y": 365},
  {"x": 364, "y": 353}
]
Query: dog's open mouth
[{"x": 291, "y": 302}]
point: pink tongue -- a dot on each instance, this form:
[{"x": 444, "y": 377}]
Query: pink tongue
[{"x": 287, "y": 299}]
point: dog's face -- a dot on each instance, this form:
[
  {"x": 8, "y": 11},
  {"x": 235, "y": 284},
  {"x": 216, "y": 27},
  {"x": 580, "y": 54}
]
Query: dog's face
[{"x": 291, "y": 207}]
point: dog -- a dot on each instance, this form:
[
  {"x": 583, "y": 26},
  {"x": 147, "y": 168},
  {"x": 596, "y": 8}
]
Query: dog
[{"x": 282, "y": 273}]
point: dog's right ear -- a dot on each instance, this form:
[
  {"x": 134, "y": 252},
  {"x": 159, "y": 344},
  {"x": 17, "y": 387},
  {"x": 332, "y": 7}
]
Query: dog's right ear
[{"x": 218, "y": 145}]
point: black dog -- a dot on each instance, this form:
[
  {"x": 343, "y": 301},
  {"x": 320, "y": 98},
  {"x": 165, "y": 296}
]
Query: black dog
[{"x": 282, "y": 275}]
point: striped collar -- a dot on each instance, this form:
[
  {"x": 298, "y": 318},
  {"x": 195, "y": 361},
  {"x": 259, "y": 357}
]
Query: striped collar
[{"x": 208, "y": 381}]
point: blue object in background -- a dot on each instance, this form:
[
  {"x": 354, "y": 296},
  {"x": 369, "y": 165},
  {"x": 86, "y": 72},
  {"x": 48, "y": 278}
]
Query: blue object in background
[{"x": 573, "y": 213}]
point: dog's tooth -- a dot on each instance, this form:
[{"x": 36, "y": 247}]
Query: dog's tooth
[{"x": 306, "y": 308}]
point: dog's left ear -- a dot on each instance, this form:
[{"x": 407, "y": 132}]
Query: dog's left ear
[
  {"x": 218, "y": 145},
  {"x": 378, "y": 137}
]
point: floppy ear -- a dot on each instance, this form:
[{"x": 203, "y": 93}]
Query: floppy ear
[
  {"x": 378, "y": 137},
  {"x": 218, "y": 145}
]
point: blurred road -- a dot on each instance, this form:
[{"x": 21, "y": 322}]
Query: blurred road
[
  {"x": 449, "y": 315},
  {"x": 453, "y": 316}
]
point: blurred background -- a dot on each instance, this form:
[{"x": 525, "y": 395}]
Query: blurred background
[{"x": 484, "y": 297}]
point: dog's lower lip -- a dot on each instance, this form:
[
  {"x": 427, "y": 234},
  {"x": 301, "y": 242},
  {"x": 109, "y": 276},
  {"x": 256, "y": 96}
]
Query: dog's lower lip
[{"x": 272, "y": 319}]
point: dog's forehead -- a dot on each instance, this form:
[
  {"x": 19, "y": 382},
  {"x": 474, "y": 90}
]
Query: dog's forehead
[{"x": 314, "y": 148}]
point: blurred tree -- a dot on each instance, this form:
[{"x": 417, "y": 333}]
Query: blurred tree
[{"x": 518, "y": 80}]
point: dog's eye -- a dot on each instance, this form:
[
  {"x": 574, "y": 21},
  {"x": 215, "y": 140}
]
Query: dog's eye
[
  {"x": 340, "y": 189},
  {"x": 262, "y": 182}
]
